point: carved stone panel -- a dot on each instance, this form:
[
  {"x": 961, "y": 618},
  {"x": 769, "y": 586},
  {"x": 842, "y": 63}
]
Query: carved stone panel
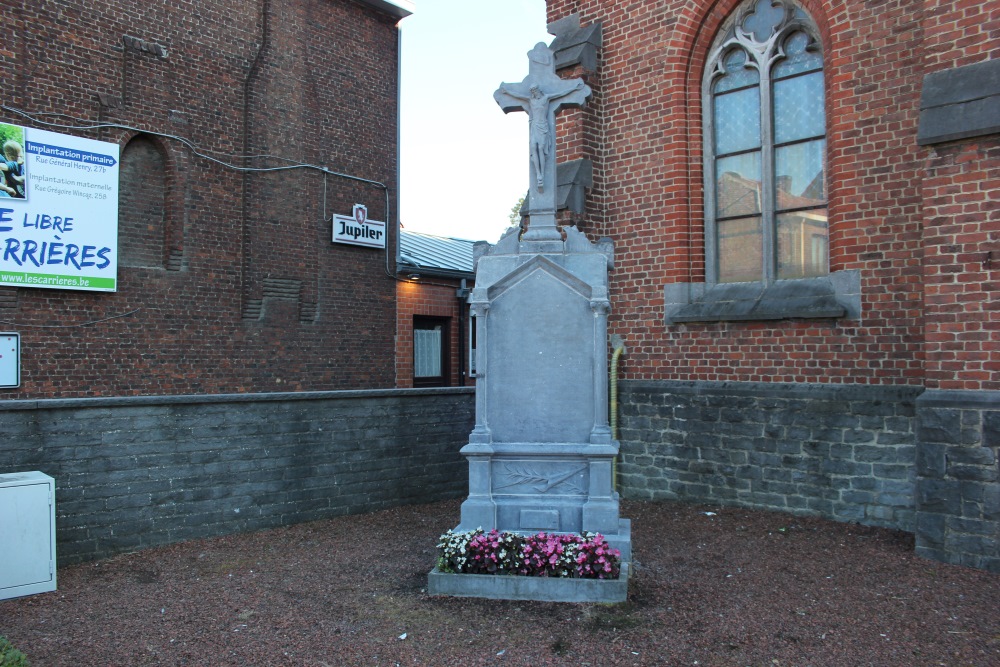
[{"x": 539, "y": 477}]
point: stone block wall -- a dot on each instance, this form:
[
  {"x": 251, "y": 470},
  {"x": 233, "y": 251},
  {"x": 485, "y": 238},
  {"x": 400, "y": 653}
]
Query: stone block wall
[
  {"x": 133, "y": 473},
  {"x": 958, "y": 479},
  {"x": 846, "y": 453}
]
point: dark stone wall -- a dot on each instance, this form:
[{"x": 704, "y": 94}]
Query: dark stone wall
[
  {"x": 923, "y": 462},
  {"x": 843, "y": 452},
  {"x": 958, "y": 479},
  {"x": 133, "y": 473},
  {"x": 138, "y": 472}
]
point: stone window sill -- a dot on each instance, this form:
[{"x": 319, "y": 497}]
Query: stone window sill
[{"x": 837, "y": 295}]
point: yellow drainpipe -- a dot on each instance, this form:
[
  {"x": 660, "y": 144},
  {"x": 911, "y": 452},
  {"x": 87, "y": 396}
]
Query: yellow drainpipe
[{"x": 619, "y": 349}]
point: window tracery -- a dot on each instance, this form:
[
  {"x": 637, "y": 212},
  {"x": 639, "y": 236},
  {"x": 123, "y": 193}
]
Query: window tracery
[{"x": 765, "y": 148}]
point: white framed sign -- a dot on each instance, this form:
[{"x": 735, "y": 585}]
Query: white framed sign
[
  {"x": 58, "y": 211},
  {"x": 10, "y": 360},
  {"x": 357, "y": 229}
]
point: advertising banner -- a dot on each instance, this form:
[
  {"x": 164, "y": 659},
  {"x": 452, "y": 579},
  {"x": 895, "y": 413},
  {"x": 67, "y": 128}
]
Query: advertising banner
[
  {"x": 357, "y": 229},
  {"x": 58, "y": 211}
]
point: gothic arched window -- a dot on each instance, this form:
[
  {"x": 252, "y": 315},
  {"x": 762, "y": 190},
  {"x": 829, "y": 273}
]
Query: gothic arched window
[{"x": 765, "y": 148}]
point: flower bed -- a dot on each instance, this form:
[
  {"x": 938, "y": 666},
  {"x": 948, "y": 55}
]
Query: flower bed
[
  {"x": 569, "y": 556},
  {"x": 547, "y": 567}
]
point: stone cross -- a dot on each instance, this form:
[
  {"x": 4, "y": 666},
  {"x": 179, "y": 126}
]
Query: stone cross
[{"x": 541, "y": 94}]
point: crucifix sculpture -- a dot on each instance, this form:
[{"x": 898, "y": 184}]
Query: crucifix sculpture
[{"x": 541, "y": 94}]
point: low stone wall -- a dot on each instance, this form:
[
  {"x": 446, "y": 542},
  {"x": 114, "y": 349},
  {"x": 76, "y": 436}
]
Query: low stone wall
[
  {"x": 958, "y": 480},
  {"x": 842, "y": 452},
  {"x": 137, "y": 472}
]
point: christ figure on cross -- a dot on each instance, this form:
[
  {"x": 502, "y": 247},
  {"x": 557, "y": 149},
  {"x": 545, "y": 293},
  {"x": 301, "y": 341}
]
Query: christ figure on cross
[
  {"x": 541, "y": 94},
  {"x": 539, "y": 133}
]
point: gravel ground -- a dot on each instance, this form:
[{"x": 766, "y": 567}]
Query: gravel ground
[{"x": 738, "y": 587}]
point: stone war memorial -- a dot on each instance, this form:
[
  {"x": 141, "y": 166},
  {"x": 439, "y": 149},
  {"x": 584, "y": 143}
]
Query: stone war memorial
[{"x": 541, "y": 455}]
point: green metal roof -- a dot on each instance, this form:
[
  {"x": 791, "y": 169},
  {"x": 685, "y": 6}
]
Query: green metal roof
[{"x": 434, "y": 253}]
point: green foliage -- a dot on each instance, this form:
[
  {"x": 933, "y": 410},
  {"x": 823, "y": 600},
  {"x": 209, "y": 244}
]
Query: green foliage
[
  {"x": 10, "y": 656},
  {"x": 14, "y": 132},
  {"x": 515, "y": 212}
]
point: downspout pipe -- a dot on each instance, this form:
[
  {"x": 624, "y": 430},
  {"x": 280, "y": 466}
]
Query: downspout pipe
[
  {"x": 462, "y": 293},
  {"x": 618, "y": 349},
  {"x": 397, "y": 223}
]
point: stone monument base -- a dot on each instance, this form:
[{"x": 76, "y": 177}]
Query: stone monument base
[
  {"x": 528, "y": 488},
  {"x": 537, "y": 589}
]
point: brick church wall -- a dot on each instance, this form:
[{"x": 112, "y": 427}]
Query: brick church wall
[
  {"x": 753, "y": 412},
  {"x": 239, "y": 376},
  {"x": 647, "y": 194},
  {"x": 960, "y": 197},
  {"x": 228, "y": 280},
  {"x": 961, "y": 231}
]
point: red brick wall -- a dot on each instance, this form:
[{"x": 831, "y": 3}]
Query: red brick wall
[
  {"x": 643, "y": 131},
  {"x": 433, "y": 297},
  {"x": 960, "y": 32},
  {"x": 961, "y": 217},
  {"x": 250, "y": 296},
  {"x": 142, "y": 204},
  {"x": 961, "y": 265}
]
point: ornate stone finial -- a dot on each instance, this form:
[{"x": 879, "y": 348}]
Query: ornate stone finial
[{"x": 539, "y": 55}]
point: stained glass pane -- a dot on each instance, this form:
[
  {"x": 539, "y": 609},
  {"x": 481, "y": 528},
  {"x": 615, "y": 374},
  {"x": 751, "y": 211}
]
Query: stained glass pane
[
  {"x": 798, "y": 175},
  {"x": 740, "y": 245},
  {"x": 803, "y": 244},
  {"x": 798, "y": 108},
  {"x": 737, "y": 121},
  {"x": 797, "y": 59},
  {"x": 766, "y": 16},
  {"x": 737, "y": 185},
  {"x": 737, "y": 75}
]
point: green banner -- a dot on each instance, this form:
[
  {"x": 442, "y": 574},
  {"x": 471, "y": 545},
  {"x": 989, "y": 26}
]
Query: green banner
[{"x": 56, "y": 280}]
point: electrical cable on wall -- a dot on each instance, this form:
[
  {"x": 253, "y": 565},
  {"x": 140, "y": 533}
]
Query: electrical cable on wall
[
  {"x": 70, "y": 326},
  {"x": 83, "y": 125},
  {"x": 204, "y": 154}
]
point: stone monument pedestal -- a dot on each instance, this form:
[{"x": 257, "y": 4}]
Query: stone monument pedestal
[
  {"x": 541, "y": 455},
  {"x": 532, "y": 487}
]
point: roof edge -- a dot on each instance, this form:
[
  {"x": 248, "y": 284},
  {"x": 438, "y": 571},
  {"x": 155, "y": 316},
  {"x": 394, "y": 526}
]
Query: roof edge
[
  {"x": 397, "y": 8},
  {"x": 404, "y": 268}
]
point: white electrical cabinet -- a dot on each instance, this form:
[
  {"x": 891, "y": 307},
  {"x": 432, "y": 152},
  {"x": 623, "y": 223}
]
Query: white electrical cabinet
[
  {"x": 10, "y": 359},
  {"x": 27, "y": 534}
]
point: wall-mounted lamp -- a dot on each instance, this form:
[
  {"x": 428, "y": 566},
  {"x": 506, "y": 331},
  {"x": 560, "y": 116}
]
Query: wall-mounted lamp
[{"x": 413, "y": 276}]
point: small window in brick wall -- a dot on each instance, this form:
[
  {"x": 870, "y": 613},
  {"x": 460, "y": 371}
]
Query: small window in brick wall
[
  {"x": 430, "y": 352},
  {"x": 142, "y": 211}
]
